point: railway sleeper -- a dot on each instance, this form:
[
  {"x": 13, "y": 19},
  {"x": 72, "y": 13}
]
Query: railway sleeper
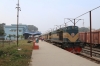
[{"x": 94, "y": 54}]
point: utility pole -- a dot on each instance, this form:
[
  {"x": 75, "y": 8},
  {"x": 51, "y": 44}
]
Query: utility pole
[
  {"x": 74, "y": 22},
  {"x": 83, "y": 23},
  {"x": 60, "y": 26},
  {"x": 90, "y": 34},
  {"x": 18, "y": 9}
]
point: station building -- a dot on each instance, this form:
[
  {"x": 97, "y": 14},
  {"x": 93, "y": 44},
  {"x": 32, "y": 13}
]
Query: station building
[{"x": 23, "y": 32}]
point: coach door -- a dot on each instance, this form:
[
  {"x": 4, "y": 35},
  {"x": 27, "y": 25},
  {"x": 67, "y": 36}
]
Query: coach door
[
  {"x": 50, "y": 35},
  {"x": 61, "y": 35},
  {"x": 47, "y": 36}
]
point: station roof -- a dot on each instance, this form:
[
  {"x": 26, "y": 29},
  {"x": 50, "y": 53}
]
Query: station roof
[{"x": 35, "y": 33}]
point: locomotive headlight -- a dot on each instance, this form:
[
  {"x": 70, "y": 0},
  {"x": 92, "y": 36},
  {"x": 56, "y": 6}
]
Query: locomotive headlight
[{"x": 72, "y": 34}]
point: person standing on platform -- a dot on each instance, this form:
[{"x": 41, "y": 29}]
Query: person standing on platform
[
  {"x": 41, "y": 39},
  {"x": 37, "y": 40}
]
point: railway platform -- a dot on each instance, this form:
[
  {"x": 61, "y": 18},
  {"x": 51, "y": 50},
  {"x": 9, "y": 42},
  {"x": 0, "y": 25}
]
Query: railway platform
[{"x": 50, "y": 55}]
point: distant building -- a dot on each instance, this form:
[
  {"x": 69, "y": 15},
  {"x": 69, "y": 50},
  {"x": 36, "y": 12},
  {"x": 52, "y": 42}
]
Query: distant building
[
  {"x": 11, "y": 30},
  {"x": 23, "y": 30},
  {"x": 2, "y": 30}
]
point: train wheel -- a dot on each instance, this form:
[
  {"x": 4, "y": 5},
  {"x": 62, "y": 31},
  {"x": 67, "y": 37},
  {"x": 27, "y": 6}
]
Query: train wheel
[
  {"x": 78, "y": 49},
  {"x": 63, "y": 46},
  {"x": 69, "y": 49}
]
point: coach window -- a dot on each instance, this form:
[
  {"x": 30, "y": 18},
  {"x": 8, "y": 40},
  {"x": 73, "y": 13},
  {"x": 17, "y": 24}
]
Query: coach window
[{"x": 72, "y": 27}]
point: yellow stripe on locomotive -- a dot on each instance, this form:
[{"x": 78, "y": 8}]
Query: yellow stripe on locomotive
[{"x": 71, "y": 37}]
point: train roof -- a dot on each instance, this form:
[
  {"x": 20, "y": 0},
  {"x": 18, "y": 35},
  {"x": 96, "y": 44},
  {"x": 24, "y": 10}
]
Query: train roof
[{"x": 60, "y": 29}]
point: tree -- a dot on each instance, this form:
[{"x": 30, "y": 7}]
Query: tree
[
  {"x": 2, "y": 29},
  {"x": 21, "y": 37},
  {"x": 14, "y": 36},
  {"x": 3, "y": 39},
  {"x": 83, "y": 29},
  {"x": 1, "y": 32},
  {"x": 98, "y": 29},
  {"x": 9, "y": 36},
  {"x": 32, "y": 28},
  {"x": 18, "y": 36}
]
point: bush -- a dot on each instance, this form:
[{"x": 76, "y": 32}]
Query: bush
[{"x": 11, "y": 56}]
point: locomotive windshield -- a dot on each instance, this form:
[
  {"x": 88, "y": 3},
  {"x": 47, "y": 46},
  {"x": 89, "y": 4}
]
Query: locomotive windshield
[{"x": 72, "y": 28}]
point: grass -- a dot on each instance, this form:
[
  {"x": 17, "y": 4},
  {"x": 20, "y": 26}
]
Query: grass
[{"x": 11, "y": 56}]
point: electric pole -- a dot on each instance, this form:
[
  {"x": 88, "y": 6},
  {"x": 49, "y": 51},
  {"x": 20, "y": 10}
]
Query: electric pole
[
  {"x": 18, "y": 9},
  {"x": 83, "y": 23},
  {"x": 72, "y": 21}
]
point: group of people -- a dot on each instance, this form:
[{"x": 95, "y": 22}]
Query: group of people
[
  {"x": 32, "y": 38},
  {"x": 41, "y": 38},
  {"x": 37, "y": 39}
]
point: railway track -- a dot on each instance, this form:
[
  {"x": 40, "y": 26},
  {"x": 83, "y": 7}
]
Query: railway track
[
  {"x": 94, "y": 59},
  {"x": 86, "y": 51},
  {"x": 95, "y": 49},
  {"x": 95, "y": 52}
]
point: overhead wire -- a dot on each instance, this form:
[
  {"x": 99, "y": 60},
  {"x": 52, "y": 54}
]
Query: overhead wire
[{"x": 87, "y": 12}]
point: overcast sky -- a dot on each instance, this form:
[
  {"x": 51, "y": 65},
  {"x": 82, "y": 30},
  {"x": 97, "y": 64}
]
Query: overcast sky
[{"x": 46, "y": 13}]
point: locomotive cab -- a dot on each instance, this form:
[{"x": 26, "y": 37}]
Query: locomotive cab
[
  {"x": 49, "y": 37},
  {"x": 71, "y": 39},
  {"x": 60, "y": 34}
]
